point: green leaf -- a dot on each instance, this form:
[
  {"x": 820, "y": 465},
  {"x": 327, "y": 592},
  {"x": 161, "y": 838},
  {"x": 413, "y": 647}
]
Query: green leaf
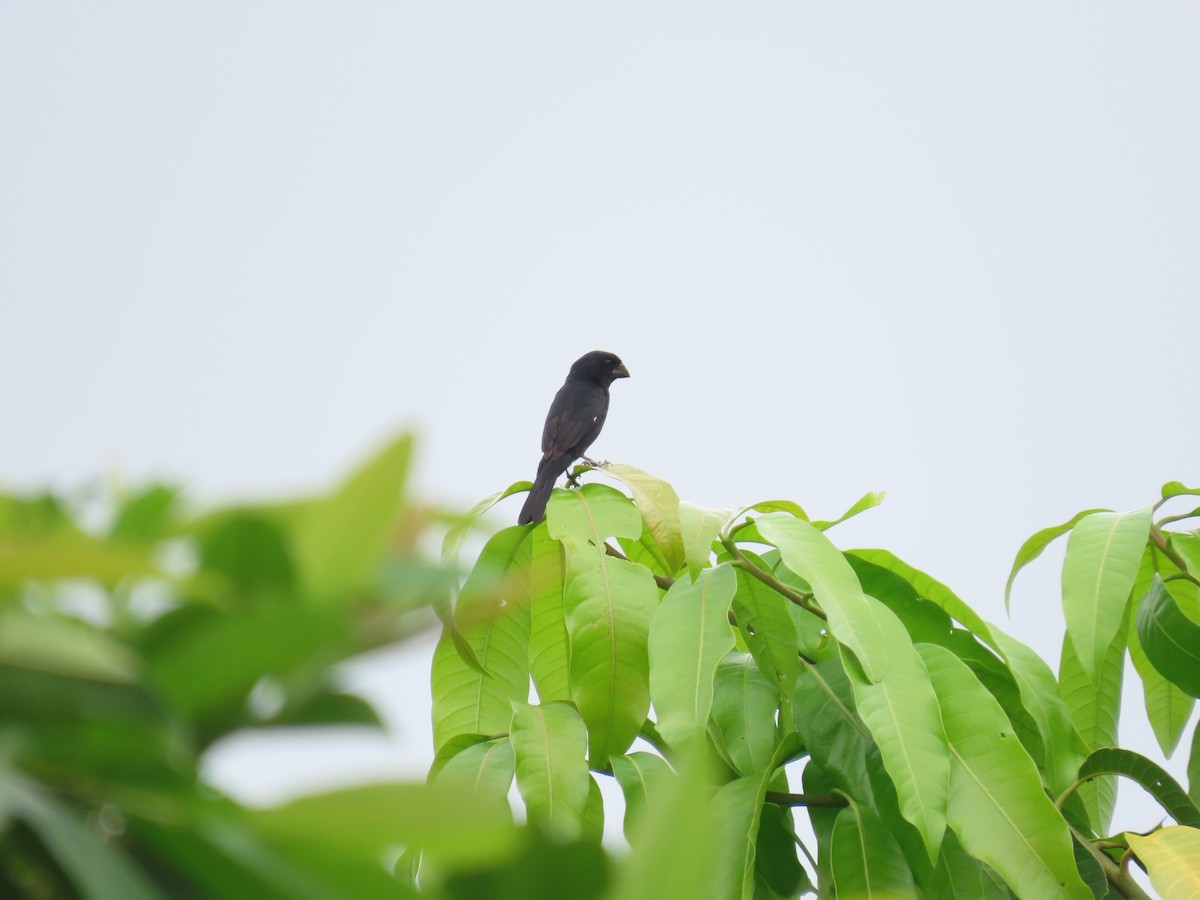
[
  {"x": 486, "y": 765},
  {"x": 865, "y": 860},
  {"x": 1095, "y": 707},
  {"x": 675, "y": 847},
  {"x": 1177, "y": 488},
  {"x": 767, "y": 628},
  {"x": 737, "y": 809},
  {"x": 1151, "y": 776},
  {"x": 494, "y": 610},
  {"x": 457, "y": 535},
  {"x": 549, "y": 647},
  {"x": 998, "y": 807},
  {"x": 689, "y": 636},
  {"x": 962, "y": 876},
  {"x": 930, "y": 589},
  {"x": 835, "y": 736},
  {"x": 592, "y": 829},
  {"x": 97, "y": 868},
  {"x": 1033, "y": 547},
  {"x": 148, "y": 515},
  {"x": 59, "y": 556},
  {"x": 809, "y": 554},
  {"x": 1193, "y": 767},
  {"x": 1101, "y": 565},
  {"x": 452, "y": 822},
  {"x": 743, "y": 713},
  {"x": 642, "y": 777},
  {"x": 1170, "y": 639},
  {"x": 63, "y": 646},
  {"x": 584, "y": 519},
  {"x": 775, "y": 861},
  {"x": 1040, "y": 697},
  {"x": 341, "y": 540},
  {"x": 552, "y": 771},
  {"x": 609, "y": 603},
  {"x": 205, "y": 664},
  {"x": 901, "y": 712},
  {"x": 1172, "y": 859},
  {"x": 865, "y": 502},
  {"x": 1167, "y": 707},
  {"x": 659, "y": 506},
  {"x": 699, "y": 527}
]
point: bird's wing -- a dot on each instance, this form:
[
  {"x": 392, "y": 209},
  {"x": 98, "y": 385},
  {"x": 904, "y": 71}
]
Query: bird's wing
[{"x": 574, "y": 420}]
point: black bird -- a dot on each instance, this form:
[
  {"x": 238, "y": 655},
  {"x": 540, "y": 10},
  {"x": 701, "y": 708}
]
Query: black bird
[{"x": 574, "y": 421}]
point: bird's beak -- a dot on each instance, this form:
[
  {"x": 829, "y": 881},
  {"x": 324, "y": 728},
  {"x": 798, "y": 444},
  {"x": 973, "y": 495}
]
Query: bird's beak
[{"x": 620, "y": 371}]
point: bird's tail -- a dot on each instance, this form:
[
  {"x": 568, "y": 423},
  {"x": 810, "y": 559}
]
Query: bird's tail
[{"x": 539, "y": 495}]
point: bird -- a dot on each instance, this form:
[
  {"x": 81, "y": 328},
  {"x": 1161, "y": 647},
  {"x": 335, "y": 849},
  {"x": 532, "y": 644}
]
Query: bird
[{"x": 574, "y": 421}]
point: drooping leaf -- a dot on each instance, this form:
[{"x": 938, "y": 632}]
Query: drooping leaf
[
  {"x": 1151, "y": 776},
  {"x": 1035, "y": 544},
  {"x": 493, "y": 610},
  {"x": 549, "y": 648},
  {"x": 809, "y": 554},
  {"x": 1172, "y": 858},
  {"x": 340, "y": 540},
  {"x": 1169, "y": 638},
  {"x": 998, "y": 807},
  {"x": 609, "y": 608},
  {"x": 901, "y": 712},
  {"x": 737, "y": 809},
  {"x": 775, "y": 861},
  {"x": 1101, "y": 565},
  {"x": 1095, "y": 707},
  {"x": 1041, "y": 699},
  {"x": 699, "y": 527},
  {"x": 769, "y": 632},
  {"x": 689, "y": 636},
  {"x": 552, "y": 771},
  {"x": 1167, "y": 707},
  {"x": 865, "y": 860},
  {"x": 659, "y": 506},
  {"x": 487, "y": 766},
  {"x": 642, "y": 777},
  {"x": 835, "y": 736},
  {"x": 674, "y": 849},
  {"x": 592, "y": 828},
  {"x": 743, "y": 713}
]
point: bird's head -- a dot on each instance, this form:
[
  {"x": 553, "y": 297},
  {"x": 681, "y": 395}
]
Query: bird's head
[{"x": 599, "y": 366}]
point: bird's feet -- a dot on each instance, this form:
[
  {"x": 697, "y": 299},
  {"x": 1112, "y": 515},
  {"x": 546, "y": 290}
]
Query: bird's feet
[{"x": 602, "y": 464}]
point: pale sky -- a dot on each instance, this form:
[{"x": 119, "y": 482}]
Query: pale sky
[{"x": 946, "y": 250}]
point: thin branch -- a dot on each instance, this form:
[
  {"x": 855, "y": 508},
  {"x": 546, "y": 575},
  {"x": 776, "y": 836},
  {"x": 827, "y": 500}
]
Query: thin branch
[
  {"x": 803, "y": 599},
  {"x": 1117, "y": 876},
  {"x": 780, "y": 798},
  {"x": 661, "y": 580}
]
